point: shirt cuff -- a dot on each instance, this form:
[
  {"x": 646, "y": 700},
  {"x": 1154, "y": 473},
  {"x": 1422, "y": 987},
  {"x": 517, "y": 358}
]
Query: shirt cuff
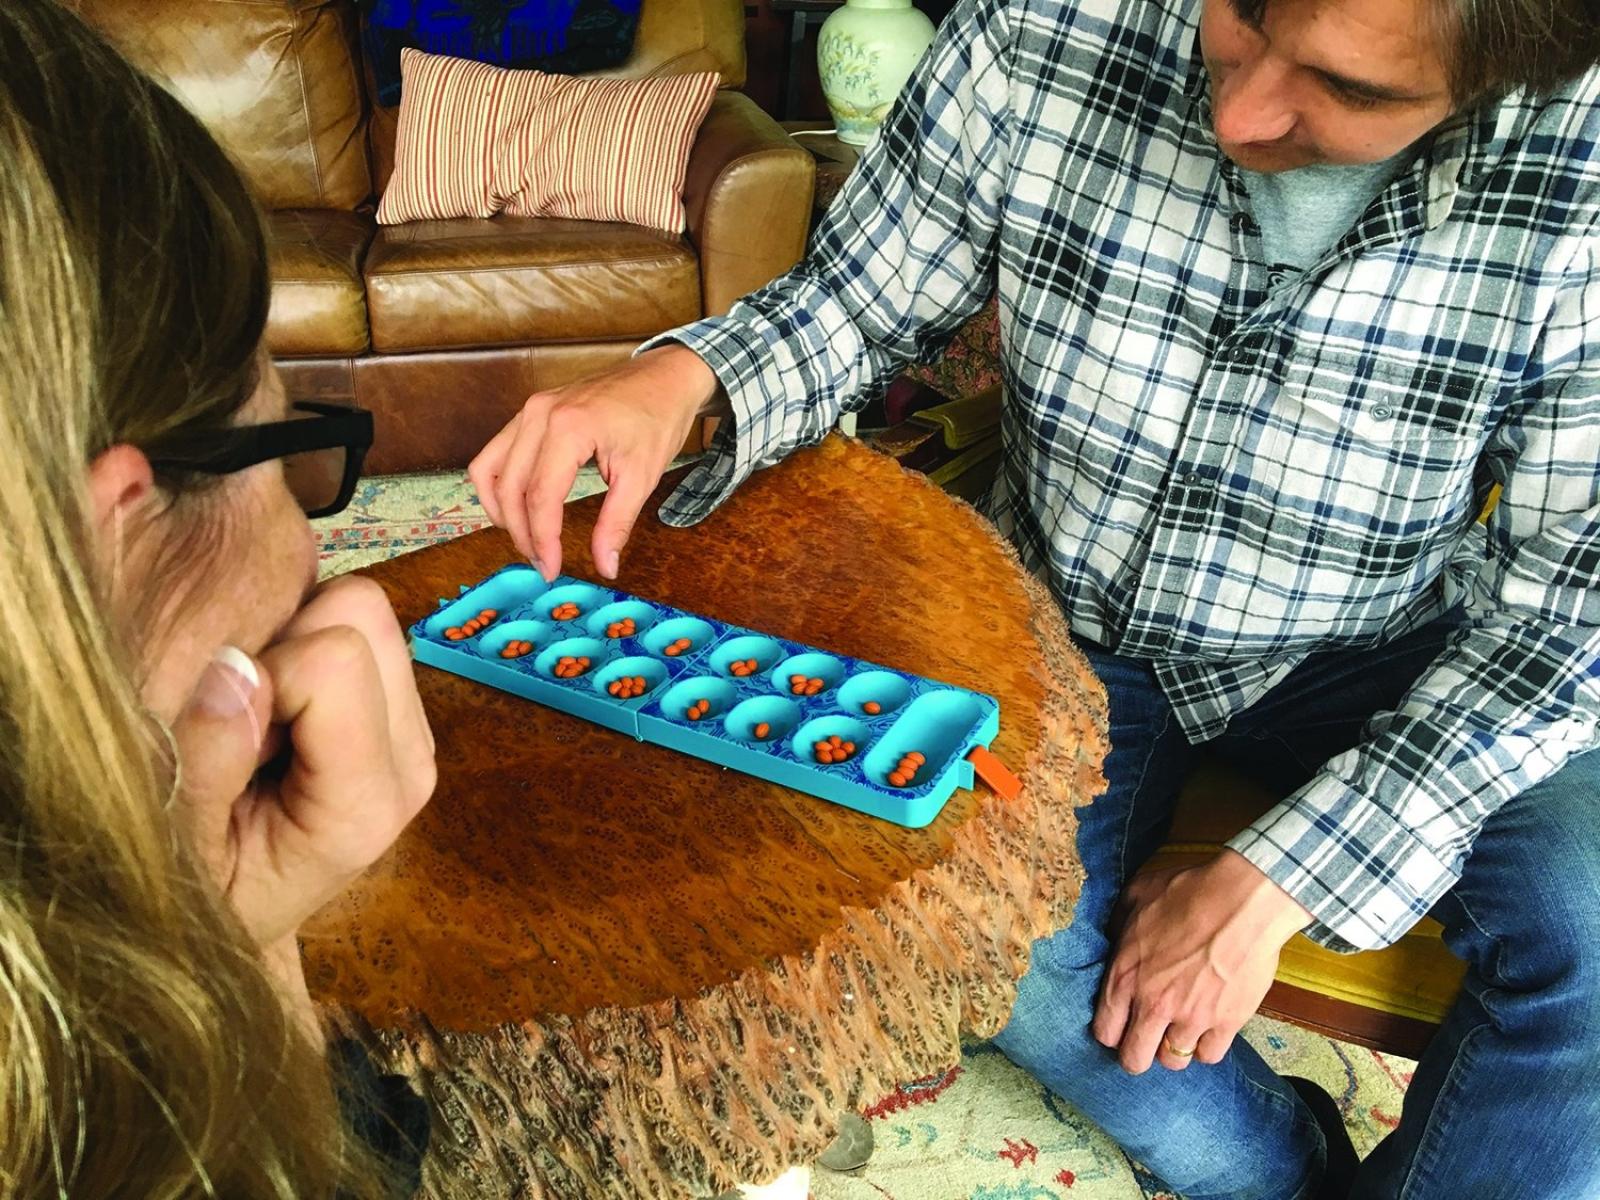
[
  {"x": 737, "y": 357},
  {"x": 1364, "y": 877}
]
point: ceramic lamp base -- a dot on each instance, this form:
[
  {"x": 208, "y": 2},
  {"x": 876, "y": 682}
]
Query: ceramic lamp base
[{"x": 865, "y": 53}]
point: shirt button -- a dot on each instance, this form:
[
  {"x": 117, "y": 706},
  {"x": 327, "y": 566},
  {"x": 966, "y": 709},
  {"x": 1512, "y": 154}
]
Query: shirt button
[
  {"x": 1191, "y": 477},
  {"x": 1382, "y": 412}
]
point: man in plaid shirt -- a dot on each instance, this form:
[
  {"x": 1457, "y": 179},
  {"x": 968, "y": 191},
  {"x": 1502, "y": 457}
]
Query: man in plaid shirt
[{"x": 1286, "y": 288}]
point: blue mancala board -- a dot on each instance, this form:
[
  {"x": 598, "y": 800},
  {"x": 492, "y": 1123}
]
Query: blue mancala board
[{"x": 940, "y": 722}]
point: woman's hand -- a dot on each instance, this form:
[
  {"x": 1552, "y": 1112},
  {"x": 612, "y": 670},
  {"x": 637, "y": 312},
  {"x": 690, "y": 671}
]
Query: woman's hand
[{"x": 301, "y": 768}]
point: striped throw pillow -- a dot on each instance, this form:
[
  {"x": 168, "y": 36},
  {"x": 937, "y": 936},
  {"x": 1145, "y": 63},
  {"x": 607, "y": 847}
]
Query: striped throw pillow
[{"x": 476, "y": 140}]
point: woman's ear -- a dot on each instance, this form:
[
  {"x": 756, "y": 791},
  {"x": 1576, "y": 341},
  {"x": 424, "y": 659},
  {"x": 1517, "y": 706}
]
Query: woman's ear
[{"x": 120, "y": 481}]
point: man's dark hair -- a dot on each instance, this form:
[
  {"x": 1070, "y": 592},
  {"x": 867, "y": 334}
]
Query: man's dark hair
[{"x": 1492, "y": 47}]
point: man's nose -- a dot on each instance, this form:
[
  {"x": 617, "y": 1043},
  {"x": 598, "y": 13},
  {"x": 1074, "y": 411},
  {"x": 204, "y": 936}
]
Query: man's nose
[{"x": 1254, "y": 105}]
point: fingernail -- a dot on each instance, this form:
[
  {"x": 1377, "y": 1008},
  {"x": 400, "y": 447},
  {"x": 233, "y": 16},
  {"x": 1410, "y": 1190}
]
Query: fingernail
[
  {"x": 608, "y": 563},
  {"x": 241, "y": 663},
  {"x": 227, "y": 684}
]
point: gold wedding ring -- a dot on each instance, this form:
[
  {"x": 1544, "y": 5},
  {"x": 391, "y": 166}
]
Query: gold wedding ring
[{"x": 1175, "y": 1052}]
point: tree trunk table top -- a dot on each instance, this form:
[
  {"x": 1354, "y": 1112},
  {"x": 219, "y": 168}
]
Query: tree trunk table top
[{"x": 619, "y": 971}]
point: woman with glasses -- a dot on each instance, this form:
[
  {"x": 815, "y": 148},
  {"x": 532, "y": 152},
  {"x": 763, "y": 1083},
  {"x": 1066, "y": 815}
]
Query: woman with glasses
[{"x": 198, "y": 746}]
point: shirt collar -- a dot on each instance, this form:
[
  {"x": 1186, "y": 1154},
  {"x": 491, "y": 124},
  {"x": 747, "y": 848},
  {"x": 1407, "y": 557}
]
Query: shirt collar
[
  {"x": 1196, "y": 83},
  {"x": 1474, "y": 141}
]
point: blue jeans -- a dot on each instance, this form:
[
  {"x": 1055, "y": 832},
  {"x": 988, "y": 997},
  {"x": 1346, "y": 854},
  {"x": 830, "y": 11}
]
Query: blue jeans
[{"x": 1506, "y": 1101}]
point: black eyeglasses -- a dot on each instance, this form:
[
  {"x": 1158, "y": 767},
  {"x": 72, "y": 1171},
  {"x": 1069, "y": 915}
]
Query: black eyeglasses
[{"x": 321, "y": 451}]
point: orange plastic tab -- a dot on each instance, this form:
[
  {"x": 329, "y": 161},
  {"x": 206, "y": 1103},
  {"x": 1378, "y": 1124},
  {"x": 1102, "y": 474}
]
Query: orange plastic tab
[{"x": 995, "y": 773}]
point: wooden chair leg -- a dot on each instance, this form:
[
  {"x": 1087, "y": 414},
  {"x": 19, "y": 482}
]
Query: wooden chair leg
[{"x": 1406, "y": 1036}]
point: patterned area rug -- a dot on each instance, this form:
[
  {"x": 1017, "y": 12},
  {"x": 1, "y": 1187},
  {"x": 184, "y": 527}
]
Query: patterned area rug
[
  {"x": 393, "y": 514},
  {"x": 984, "y": 1130},
  {"x": 987, "y": 1131}
]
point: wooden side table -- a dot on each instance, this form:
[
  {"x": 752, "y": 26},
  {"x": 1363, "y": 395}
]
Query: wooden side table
[
  {"x": 802, "y": 15},
  {"x": 616, "y": 971}
]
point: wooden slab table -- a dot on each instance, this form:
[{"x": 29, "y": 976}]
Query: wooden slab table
[{"x": 617, "y": 971}]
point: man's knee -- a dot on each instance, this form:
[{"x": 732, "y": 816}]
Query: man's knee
[
  {"x": 1559, "y": 959},
  {"x": 1530, "y": 896},
  {"x": 1056, "y": 998}
]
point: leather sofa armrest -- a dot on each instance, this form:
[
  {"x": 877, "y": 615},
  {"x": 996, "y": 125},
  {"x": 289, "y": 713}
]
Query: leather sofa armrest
[{"x": 748, "y": 197}]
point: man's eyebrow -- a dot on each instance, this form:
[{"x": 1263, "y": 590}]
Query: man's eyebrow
[
  {"x": 1254, "y": 22},
  {"x": 1362, "y": 87}
]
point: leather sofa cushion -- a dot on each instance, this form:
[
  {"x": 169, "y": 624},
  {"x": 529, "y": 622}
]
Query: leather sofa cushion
[
  {"x": 274, "y": 80},
  {"x": 319, "y": 303},
  {"x": 432, "y": 285}
]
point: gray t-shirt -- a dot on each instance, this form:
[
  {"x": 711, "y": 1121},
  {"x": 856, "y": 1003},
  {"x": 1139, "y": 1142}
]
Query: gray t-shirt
[{"x": 1303, "y": 213}]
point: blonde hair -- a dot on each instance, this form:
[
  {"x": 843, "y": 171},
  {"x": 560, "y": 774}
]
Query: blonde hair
[{"x": 144, "y": 1049}]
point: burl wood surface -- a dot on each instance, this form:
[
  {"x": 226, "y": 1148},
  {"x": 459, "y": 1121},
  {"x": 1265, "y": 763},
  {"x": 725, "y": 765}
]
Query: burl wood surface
[{"x": 618, "y": 971}]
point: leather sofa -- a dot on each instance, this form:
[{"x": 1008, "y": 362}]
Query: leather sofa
[{"x": 443, "y": 328}]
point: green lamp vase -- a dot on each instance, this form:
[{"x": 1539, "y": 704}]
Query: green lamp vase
[{"x": 865, "y": 53}]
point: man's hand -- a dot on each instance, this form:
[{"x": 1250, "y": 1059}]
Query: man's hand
[
  {"x": 1195, "y": 954},
  {"x": 630, "y": 421}
]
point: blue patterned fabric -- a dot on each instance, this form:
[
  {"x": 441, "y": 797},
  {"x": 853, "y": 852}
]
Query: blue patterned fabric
[
  {"x": 1219, "y": 467},
  {"x": 562, "y": 36}
]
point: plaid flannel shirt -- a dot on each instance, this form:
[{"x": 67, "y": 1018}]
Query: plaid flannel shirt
[{"x": 1220, "y": 467}]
